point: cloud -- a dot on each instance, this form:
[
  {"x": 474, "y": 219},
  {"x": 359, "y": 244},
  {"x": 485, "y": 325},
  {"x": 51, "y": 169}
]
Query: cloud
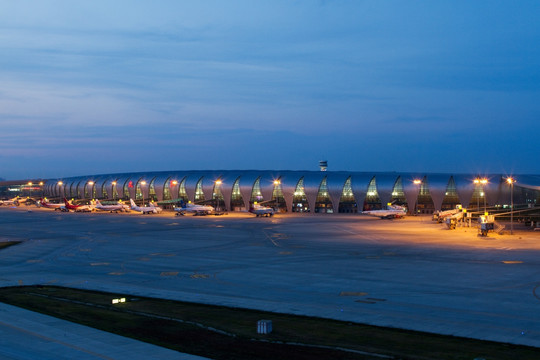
[{"x": 82, "y": 83}]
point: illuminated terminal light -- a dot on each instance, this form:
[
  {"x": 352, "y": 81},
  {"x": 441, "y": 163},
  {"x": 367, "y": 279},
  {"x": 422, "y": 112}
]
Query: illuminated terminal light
[
  {"x": 119, "y": 300},
  {"x": 474, "y": 187},
  {"x": 482, "y": 181}
]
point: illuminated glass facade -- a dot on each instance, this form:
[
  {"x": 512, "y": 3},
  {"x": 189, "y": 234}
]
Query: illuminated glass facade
[
  {"x": 323, "y": 203},
  {"x": 167, "y": 189},
  {"x": 218, "y": 200},
  {"x": 182, "y": 194},
  {"x": 152, "y": 191},
  {"x": 278, "y": 199},
  {"x": 372, "y": 200},
  {"x": 398, "y": 195},
  {"x": 347, "y": 202},
  {"x": 303, "y": 191},
  {"x": 237, "y": 200},
  {"x": 451, "y": 198},
  {"x": 115, "y": 190},
  {"x": 104, "y": 194},
  {"x": 199, "y": 193},
  {"x": 128, "y": 184},
  {"x": 300, "y": 201},
  {"x": 425, "y": 203},
  {"x": 256, "y": 194}
]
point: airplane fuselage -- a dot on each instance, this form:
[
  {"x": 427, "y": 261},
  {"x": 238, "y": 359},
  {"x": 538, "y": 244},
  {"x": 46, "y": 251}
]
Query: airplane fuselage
[
  {"x": 197, "y": 210},
  {"x": 145, "y": 209}
]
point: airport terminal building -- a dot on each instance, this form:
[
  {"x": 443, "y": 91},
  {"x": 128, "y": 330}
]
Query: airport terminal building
[{"x": 303, "y": 191}]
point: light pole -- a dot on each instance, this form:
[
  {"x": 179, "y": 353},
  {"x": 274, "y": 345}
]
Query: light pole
[
  {"x": 216, "y": 187},
  {"x": 417, "y": 182},
  {"x": 276, "y": 184},
  {"x": 60, "y": 183},
  {"x": 481, "y": 182},
  {"x": 484, "y": 182},
  {"x": 91, "y": 183},
  {"x": 172, "y": 196},
  {"x": 511, "y": 181},
  {"x": 477, "y": 182},
  {"x": 142, "y": 191},
  {"x": 114, "y": 190}
]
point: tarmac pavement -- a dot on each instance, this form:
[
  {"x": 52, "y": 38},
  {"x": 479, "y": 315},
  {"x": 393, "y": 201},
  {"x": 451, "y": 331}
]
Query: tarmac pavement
[
  {"x": 410, "y": 273},
  {"x": 29, "y": 335}
]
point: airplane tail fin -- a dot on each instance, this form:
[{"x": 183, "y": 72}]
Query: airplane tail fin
[{"x": 132, "y": 203}]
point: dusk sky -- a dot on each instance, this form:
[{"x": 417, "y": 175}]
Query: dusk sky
[{"x": 126, "y": 86}]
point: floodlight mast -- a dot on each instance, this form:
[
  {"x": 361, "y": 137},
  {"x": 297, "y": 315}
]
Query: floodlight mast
[
  {"x": 114, "y": 190},
  {"x": 142, "y": 191},
  {"x": 417, "y": 182},
  {"x": 510, "y": 180},
  {"x": 481, "y": 182}
]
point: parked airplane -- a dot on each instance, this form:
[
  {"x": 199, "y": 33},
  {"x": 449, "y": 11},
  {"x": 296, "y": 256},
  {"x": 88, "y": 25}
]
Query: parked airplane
[
  {"x": 260, "y": 210},
  {"x": 392, "y": 212},
  {"x": 151, "y": 209},
  {"x": 21, "y": 200},
  {"x": 78, "y": 208},
  {"x": 441, "y": 215},
  {"x": 116, "y": 207},
  {"x": 194, "y": 208},
  {"x": 14, "y": 201},
  {"x": 46, "y": 204}
]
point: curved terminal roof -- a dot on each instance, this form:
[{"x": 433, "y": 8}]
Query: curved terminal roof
[{"x": 436, "y": 190}]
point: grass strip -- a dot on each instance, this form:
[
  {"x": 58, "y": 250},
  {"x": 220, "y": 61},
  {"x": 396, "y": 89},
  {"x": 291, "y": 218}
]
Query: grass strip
[
  {"x": 219, "y": 332},
  {"x": 6, "y": 244}
]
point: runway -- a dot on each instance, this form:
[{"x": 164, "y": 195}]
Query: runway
[{"x": 411, "y": 273}]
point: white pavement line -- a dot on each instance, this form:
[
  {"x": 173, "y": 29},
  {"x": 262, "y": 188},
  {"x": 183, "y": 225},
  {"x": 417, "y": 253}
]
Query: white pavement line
[{"x": 270, "y": 238}]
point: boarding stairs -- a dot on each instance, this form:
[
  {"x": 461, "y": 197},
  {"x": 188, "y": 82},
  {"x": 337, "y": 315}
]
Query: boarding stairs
[{"x": 498, "y": 227}]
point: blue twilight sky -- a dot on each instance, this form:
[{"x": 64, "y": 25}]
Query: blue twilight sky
[{"x": 115, "y": 86}]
